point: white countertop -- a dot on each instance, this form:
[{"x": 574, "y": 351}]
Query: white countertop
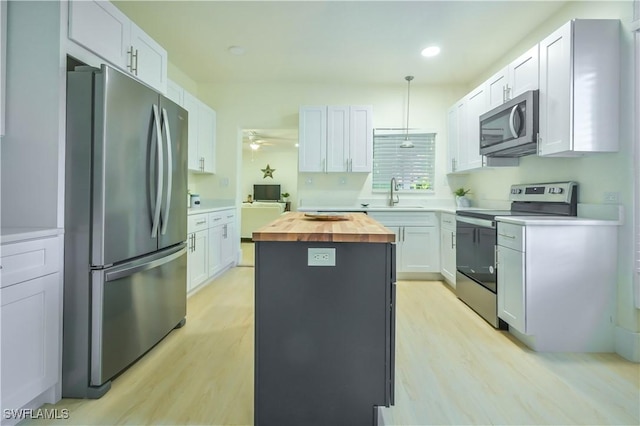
[
  {"x": 12, "y": 235},
  {"x": 555, "y": 221},
  {"x": 209, "y": 206}
]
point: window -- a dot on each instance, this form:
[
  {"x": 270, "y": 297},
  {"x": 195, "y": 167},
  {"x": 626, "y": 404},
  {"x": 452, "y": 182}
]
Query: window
[{"x": 413, "y": 168}]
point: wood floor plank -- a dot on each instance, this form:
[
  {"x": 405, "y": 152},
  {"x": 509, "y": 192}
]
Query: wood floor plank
[{"x": 452, "y": 368}]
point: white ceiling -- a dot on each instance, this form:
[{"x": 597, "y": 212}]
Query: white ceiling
[{"x": 368, "y": 42}]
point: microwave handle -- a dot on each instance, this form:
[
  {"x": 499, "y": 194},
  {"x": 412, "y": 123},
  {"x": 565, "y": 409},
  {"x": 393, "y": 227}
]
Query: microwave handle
[{"x": 511, "y": 117}]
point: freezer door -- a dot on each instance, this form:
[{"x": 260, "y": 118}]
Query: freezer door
[
  {"x": 125, "y": 168},
  {"x": 133, "y": 307},
  {"x": 173, "y": 220}
]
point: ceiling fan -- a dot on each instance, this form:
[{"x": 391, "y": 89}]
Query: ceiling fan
[{"x": 258, "y": 139}]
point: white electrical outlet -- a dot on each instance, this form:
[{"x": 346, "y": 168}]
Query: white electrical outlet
[
  {"x": 321, "y": 257},
  {"x": 611, "y": 197}
]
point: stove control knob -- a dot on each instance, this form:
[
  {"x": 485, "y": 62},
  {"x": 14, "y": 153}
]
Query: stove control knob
[
  {"x": 556, "y": 190},
  {"x": 516, "y": 191}
]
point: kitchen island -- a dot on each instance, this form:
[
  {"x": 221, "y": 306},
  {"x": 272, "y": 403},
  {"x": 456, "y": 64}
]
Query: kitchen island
[{"x": 325, "y": 320}]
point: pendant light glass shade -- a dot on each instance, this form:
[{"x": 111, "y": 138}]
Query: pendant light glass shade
[{"x": 407, "y": 143}]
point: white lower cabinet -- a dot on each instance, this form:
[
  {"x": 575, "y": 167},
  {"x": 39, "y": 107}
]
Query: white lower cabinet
[
  {"x": 417, "y": 240},
  {"x": 211, "y": 246},
  {"x": 31, "y": 322},
  {"x": 448, "y": 247},
  {"x": 557, "y": 283}
]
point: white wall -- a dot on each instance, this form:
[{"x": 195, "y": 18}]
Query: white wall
[
  {"x": 276, "y": 106},
  {"x": 595, "y": 173},
  {"x": 285, "y": 163}
]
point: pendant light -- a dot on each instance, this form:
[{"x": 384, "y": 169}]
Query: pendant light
[{"x": 407, "y": 143}]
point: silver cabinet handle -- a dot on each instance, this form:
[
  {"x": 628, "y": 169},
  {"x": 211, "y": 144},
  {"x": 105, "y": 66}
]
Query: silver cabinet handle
[
  {"x": 504, "y": 94},
  {"x": 453, "y": 242},
  {"x": 156, "y": 214},
  {"x": 495, "y": 256},
  {"x": 224, "y": 231},
  {"x": 215, "y": 219},
  {"x": 165, "y": 220},
  {"x": 200, "y": 222},
  {"x": 508, "y": 92},
  {"x": 512, "y": 237}
]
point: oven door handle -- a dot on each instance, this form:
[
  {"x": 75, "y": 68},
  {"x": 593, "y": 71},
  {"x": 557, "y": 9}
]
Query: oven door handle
[{"x": 485, "y": 223}]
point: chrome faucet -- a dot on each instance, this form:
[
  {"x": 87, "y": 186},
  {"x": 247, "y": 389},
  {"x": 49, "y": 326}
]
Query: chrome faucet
[{"x": 393, "y": 186}]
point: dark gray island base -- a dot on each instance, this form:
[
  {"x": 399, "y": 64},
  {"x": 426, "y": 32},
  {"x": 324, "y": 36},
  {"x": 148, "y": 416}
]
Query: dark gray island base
[{"x": 324, "y": 335}]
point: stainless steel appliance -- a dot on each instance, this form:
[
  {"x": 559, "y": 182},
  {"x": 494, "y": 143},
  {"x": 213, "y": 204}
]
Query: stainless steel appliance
[
  {"x": 511, "y": 129},
  {"x": 125, "y": 225},
  {"x": 476, "y": 239}
]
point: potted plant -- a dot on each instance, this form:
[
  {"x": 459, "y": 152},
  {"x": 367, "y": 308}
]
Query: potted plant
[
  {"x": 461, "y": 199},
  {"x": 285, "y": 196}
]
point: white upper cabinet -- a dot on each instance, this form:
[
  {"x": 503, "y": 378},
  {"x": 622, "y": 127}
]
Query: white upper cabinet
[
  {"x": 336, "y": 139},
  {"x": 100, "y": 27},
  {"x": 202, "y": 134},
  {"x": 513, "y": 80},
  {"x": 476, "y": 104},
  {"x": 175, "y": 92},
  {"x": 452, "y": 134},
  {"x": 579, "y": 88}
]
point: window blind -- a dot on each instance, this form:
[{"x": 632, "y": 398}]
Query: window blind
[{"x": 413, "y": 168}]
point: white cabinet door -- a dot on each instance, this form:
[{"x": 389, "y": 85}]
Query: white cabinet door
[
  {"x": 198, "y": 258},
  {"x": 207, "y": 138},
  {"x": 191, "y": 104},
  {"x": 523, "y": 73},
  {"x": 215, "y": 249},
  {"x": 149, "y": 60},
  {"x": 511, "y": 291},
  {"x": 475, "y": 104},
  {"x": 312, "y": 149},
  {"x": 555, "y": 92},
  {"x": 419, "y": 249},
  {"x": 452, "y": 146},
  {"x": 175, "y": 92},
  {"x": 102, "y": 28},
  {"x": 337, "y": 139},
  {"x": 496, "y": 88},
  {"x": 228, "y": 244},
  {"x": 448, "y": 247},
  {"x": 361, "y": 138},
  {"x": 580, "y": 88},
  {"x": 30, "y": 336}
]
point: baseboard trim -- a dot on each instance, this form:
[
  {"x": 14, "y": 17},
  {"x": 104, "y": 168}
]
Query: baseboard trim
[{"x": 628, "y": 344}]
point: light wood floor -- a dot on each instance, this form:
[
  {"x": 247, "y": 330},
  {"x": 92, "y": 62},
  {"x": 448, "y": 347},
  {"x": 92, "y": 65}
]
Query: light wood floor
[{"x": 452, "y": 368}]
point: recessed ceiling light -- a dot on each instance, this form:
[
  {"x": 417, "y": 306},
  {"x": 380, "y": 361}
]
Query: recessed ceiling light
[
  {"x": 236, "y": 50},
  {"x": 430, "y": 51}
]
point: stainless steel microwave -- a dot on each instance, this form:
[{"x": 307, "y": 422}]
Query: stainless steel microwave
[{"x": 511, "y": 129}]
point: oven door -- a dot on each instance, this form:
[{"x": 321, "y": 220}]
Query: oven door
[{"x": 475, "y": 250}]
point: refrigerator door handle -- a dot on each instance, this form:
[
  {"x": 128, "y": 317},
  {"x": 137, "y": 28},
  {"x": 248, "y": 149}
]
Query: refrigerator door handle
[
  {"x": 167, "y": 131},
  {"x": 160, "y": 179},
  {"x": 130, "y": 270}
]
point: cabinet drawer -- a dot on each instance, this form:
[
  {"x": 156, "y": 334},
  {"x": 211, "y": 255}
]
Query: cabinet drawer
[
  {"x": 224, "y": 216},
  {"x": 26, "y": 260},
  {"x": 198, "y": 222},
  {"x": 448, "y": 221},
  {"x": 405, "y": 218},
  {"x": 511, "y": 236}
]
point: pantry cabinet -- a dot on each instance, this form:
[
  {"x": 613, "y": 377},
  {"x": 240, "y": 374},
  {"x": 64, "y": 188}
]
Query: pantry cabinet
[
  {"x": 513, "y": 80},
  {"x": 335, "y": 139},
  {"x": 31, "y": 321},
  {"x": 102, "y": 28},
  {"x": 580, "y": 88},
  {"x": 448, "y": 247}
]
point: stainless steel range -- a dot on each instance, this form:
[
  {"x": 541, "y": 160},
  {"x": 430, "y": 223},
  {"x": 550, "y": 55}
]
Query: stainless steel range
[{"x": 476, "y": 236}]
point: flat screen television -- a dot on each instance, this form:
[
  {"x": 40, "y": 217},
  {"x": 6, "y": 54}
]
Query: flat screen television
[{"x": 266, "y": 192}]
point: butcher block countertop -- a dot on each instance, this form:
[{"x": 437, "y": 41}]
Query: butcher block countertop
[{"x": 294, "y": 226}]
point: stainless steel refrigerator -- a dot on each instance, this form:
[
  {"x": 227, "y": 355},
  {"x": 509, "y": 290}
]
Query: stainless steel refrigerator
[{"x": 125, "y": 226}]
